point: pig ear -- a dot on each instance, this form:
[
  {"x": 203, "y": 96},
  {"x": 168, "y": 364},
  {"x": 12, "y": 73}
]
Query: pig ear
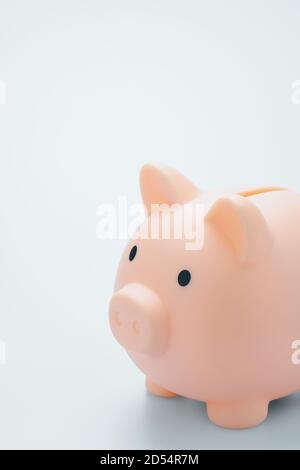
[
  {"x": 242, "y": 225},
  {"x": 164, "y": 185}
]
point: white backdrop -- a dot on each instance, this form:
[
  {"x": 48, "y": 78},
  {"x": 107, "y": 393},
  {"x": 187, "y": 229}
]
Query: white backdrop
[{"x": 94, "y": 89}]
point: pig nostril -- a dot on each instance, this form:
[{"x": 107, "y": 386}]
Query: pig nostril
[
  {"x": 118, "y": 319},
  {"x": 136, "y": 327}
]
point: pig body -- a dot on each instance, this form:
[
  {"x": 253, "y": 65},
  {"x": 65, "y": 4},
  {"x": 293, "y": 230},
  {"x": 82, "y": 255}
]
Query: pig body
[{"x": 216, "y": 324}]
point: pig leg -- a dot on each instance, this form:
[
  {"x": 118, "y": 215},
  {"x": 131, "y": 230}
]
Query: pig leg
[
  {"x": 158, "y": 390},
  {"x": 238, "y": 414}
]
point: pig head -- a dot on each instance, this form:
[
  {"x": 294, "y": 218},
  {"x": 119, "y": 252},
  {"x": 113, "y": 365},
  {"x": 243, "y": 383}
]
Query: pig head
[{"x": 173, "y": 309}]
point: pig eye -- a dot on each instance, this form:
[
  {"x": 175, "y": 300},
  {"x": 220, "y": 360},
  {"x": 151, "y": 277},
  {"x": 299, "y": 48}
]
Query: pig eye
[
  {"x": 184, "y": 277},
  {"x": 132, "y": 253}
]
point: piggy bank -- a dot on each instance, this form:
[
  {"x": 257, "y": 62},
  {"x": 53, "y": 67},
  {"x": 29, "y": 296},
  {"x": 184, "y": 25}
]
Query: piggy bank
[{"x": 216, "y": 323}]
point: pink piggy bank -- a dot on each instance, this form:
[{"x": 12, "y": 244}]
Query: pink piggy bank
[{"x": 217, "y": 323}]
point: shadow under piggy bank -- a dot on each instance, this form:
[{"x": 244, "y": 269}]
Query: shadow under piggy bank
[{"x": 179, "y": 423}]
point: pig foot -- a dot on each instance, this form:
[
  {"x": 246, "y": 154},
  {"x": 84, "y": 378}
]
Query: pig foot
[
  {"x": 238, "y": 414},
  {"x": 158, "y": 390}
]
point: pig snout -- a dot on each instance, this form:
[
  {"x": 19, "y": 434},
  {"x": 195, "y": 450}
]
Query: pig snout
[{"x": 138, "y": 319}]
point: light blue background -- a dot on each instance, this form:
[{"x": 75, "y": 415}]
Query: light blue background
[{"x": 94, "y": 90}]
